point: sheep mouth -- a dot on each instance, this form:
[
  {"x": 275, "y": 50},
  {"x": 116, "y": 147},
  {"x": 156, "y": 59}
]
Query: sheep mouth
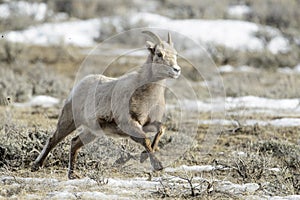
[{"x": 174, "y": 75}]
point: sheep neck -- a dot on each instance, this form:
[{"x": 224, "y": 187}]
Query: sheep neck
[{"x": 146, "y": 76}]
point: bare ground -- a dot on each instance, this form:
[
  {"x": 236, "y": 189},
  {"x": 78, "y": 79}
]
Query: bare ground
[{"x": 244, "y": 162}]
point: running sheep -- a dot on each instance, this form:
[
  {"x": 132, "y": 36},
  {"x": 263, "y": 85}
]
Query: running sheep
[{"x": 130, "y": 105}]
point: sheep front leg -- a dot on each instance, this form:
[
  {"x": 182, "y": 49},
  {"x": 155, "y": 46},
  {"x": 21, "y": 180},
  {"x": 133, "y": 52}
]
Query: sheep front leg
[
  {"x": 146, "y": 142},
  {"x": 139, "y": 136},
  {"x": 153, "y": 127}
]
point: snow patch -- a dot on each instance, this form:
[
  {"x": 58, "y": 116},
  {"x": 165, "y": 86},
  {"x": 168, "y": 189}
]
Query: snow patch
[
  {"x": 285, "y": 70},
  {"x": 239, "y": 10},
  {"x": 230, "y": 33},
  {"x": 10, "y": 179},
  {"x": 61, "y": 16},
  {"x": 70, "y": 188},
  {"x": 279, "y": 44},
  {"x": 230, "y": 68},
  {"x": 96, "y": 195},
  {"x": 233, "y": 103},
  {"x": 37, "y": 10},
  {"x": 42, "y": 101},
  {"x": 62, "y": 195},
  {"x": 132, "y": 183},
  {"x": 239, "y": 153},
  {"x": 245, "y": 68},
  {"x": 297, "y": 68},
  {"x": 222, "y": 122},
  {"x": 289, "y": 122},
  {"x": 132, "y": 188},
  {"x": 235, "y": 34},
  {"x": 226, "y": 68},
  {"x": 227, "y": 186},
  {"x": 274, "y": 169},
  {"x": 196, "y": 168},
  {"x": 79, "y": 182},
  {"x": 260, "y": 102},
  {"x": 187, "y": 104},
  {"x": 283, "y": 122},
  {"x": 289, "y": 197},
  {"x": 287, "y": 110},
  {"x": 4, "y": 11},
  {"x": 81, "y": 33},
  {"x": 288, "y": 70}
]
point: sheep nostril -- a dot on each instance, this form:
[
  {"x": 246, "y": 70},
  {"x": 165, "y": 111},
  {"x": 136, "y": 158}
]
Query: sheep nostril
[{"x": 176, "y": 69}]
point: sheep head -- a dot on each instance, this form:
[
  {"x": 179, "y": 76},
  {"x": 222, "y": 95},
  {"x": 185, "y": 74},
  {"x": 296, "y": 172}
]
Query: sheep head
[{"x": 163, "y": 55}]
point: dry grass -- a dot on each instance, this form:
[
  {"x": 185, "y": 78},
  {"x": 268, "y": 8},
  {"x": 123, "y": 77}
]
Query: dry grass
[
  {"x": 262, "y": 59},
  {"x": 278, "y": 13},
  {"x": 30, "y": 70},
  {"x": 263, "y": 83},
  {"x": 91, "y": 8},
  {"x": 264, "y": 148}
]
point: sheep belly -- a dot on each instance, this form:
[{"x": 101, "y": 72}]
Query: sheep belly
[{"x": 111, "y": 129}]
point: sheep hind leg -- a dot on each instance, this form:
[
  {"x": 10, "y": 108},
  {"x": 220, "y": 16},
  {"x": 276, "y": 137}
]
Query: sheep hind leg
[
  {"x": 77, "y": 142},
  {"x": 161, "y": 130},
  {"x": 65, "y": 126}
]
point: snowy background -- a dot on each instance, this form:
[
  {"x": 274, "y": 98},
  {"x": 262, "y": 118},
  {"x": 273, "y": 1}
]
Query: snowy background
[{"x": 252, "y": 47}]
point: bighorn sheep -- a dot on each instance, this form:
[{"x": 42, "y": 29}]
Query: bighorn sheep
[{"x": 130, "y": 105}]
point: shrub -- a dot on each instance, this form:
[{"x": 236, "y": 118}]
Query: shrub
[
  {"x": 91, "y": 8},
  {"x": 278, "y": 13},
  {"x": 22, "y": 81},
  {"x": 206, "y": 9},
  {"x": 286, "y": 152}
]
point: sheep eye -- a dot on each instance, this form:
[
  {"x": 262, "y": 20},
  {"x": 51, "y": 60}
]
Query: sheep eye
[{"x": 159, "y": 54}]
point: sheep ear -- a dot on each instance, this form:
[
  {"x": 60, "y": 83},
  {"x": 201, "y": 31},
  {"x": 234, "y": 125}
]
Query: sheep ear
[
  {"x": 170, "y": 39},
  {"x": 150, "y": 46}
]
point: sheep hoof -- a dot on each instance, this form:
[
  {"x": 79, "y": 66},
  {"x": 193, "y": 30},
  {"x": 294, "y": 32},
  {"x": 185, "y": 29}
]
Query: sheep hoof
[
  {"x": 156, "y": 149},
  {"x": 144, "y": 156},
  {"x": 35, "y": 167},
  {"x": 73, "y": 175},
  {"x": 156, "y": 164}
]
